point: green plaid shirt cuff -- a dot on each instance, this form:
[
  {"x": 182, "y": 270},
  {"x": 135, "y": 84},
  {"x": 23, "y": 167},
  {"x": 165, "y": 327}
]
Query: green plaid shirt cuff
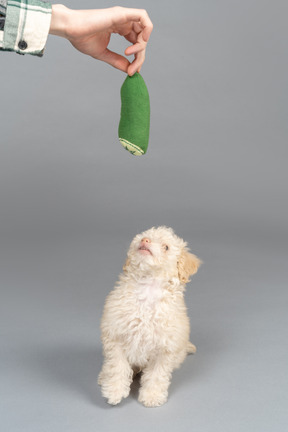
[
  {"x": 26, "y": 26},
  {"x": 3, "y": 7}
]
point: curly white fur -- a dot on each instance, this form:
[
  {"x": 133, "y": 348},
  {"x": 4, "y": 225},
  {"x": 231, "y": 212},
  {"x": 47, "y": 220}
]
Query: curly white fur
[{"x": 145, "y": 326}]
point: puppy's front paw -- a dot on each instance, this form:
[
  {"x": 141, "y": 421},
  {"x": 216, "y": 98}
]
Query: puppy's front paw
[
  {"x": 115, "y": 399},
  {"x": 152, "y": 398},
  {"x": 115, "y": 393}
]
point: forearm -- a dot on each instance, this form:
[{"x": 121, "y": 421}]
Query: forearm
[{"x": 60, "y": 20}]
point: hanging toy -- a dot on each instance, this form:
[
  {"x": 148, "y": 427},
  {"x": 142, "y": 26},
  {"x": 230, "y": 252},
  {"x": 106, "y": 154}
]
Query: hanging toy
[{"x": 134, "y": 122}]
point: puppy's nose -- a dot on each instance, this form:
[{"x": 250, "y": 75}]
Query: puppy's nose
[{"x": 145, "y": 240}]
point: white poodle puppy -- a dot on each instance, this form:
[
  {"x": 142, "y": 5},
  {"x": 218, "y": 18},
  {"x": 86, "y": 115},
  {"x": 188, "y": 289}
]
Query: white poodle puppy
[{"x": 145, "y": 326}]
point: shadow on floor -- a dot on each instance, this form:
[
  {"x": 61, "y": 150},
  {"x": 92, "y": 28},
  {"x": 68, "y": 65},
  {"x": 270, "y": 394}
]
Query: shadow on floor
[
  {"x": 76, "y": 367},
  {"x": 72, "y": 367}
]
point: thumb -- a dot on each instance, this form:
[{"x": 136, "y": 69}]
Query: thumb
[{"x": 115, "y": 60}]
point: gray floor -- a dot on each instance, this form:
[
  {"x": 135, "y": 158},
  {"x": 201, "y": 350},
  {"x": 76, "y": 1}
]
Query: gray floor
[{"x": 72, "y": 199}]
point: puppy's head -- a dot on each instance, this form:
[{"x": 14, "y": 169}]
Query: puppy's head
[{"x": 159, "y": 251}]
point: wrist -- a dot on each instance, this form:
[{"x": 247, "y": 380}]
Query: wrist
[{"x": 59, "y": 20}]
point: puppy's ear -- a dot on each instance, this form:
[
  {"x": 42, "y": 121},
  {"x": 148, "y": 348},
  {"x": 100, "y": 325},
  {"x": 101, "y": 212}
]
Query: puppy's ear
[
  {"x": 126, "y": 264},
  {"x": 188, "y": 265}
]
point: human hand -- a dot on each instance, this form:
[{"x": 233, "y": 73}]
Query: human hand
[{"x": 90, "y": 31}]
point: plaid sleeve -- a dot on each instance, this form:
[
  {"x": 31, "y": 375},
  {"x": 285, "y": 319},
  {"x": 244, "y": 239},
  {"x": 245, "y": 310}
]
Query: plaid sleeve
[
  {"x": 26, "y": 26},
  {"x": 3, "y": 7},
  {"x": 2, "y": 20}
]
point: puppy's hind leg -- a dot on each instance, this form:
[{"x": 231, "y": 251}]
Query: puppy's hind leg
[
  {"x": 115, "y": 377},
  {"x": 191, "y": 348}
]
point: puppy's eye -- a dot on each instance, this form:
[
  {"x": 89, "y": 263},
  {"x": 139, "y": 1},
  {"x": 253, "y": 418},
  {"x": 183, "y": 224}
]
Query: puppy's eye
[{"x": 166, "y": 247}]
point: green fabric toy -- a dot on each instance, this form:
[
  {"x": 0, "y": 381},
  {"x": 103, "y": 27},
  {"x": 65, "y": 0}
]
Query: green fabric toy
[{"x": 134, "y": 122}]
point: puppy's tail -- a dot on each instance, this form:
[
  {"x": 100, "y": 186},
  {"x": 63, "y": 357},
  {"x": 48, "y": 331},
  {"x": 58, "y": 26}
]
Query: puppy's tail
[{"x": 191, "y": 348}]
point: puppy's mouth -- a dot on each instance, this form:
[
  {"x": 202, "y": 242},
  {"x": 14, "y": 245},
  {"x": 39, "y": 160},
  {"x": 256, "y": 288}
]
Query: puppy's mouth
[{"x": 144, "y": 250}]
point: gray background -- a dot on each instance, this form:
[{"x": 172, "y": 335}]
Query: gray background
[{"x": 72, "y": 199}]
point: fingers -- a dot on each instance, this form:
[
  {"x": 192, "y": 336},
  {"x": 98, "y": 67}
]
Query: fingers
[
  {"x": 137, "y": 27},
  {"x": 142, "y": 17},
  {"x": 137, "y": 63},
  {"x": 139, "y": 50},
  {"x": 134, "y": 24},
  {"x": 142, "y": 29},
  {"x": 131, "y": 37},
  {"x": 115, "y": 60},
  {"x": 134, "y": 49},
  {"x": 121, "y": 63}
]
